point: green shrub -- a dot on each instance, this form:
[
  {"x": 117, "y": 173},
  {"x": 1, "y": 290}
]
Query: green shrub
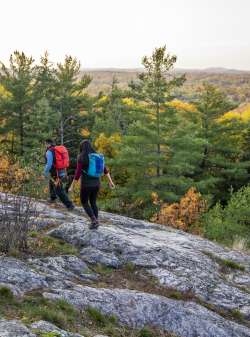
[
  {"x": 102, "y": 269},
  {"x": 237, "y": 315},
  {"x": 33, "y": 234},
  {"x": 130, "y": 267},
  {"x": 6, "y": 294},
  {"x": 146, "y": 332},
  {"x": 99, "y": 318},
  {"x": 96, "y": 316},
  {"x": 58, "y": 312},
  {"x": 225, "y": 224}
]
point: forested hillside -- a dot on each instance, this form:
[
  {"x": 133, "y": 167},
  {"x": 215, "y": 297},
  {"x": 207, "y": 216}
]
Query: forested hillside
[
  {"x": 178, "y": 154},
  {"x": 236, "y": 84}
]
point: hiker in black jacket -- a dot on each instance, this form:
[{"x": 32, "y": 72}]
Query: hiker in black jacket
[{"x": 88, "y": 160}]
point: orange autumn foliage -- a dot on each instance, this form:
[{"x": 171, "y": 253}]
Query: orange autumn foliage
[{"x": 184, "y": 214}]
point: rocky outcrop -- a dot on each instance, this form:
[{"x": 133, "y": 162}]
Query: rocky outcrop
[
  {"x": 43, "y": 273},
  {"x": 63, "y": 268},
  {"x": 178, "y": 260},
  {"x": 137, "y": 309},
  {"x": 20, "y": 277},
  {"x": 14, "y": 329}
]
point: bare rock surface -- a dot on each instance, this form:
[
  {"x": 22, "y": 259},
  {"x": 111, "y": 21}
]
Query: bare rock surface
[
  {"x": 178, "y": 260},
  {"x": 62, "y": 268},
  {"x": 137, "y": 309},
  {"x": 20, "y": 277},
  {"x": 14, "y": 329},
  {"x": 43, "y": 273}
]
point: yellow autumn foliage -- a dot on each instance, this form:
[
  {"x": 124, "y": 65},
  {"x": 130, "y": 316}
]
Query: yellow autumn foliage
[
  {"x": 103, "y": 99},
  {"x": 12, "y": 177},
  {"x": 3, "y": 92},
  {"x": 241, "y": 113},
  {"x": 128, "y": 101},
  {"x": 106, "y": 145},
  {"x": 183, "y": 214},
  {"x": 85, "y": 132},
  {"x": 180, "y": 105},
  {"x": 83, "y": 113}
]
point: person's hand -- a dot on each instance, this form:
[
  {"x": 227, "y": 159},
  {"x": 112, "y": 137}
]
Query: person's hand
[
  {"x": 111, "y": 185},
  {"x": 71, "y": 189}
]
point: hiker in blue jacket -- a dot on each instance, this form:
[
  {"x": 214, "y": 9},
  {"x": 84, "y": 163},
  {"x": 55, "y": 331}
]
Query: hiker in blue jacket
[
  {"x": 56, "y": 188},
  {"x": 90, "y": 167}
]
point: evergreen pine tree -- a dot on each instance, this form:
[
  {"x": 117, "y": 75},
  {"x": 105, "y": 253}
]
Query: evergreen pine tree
[
  {"x": 18, "y": 81},
  {"x": 43, "y": 125},
  {"x": 246, "y": 145},
  {"x": 220, "y": 168},
  {"x": 70, "y": 99},
  {"x": 157, "y": 149},
  {"x": 44, "y": 118}
]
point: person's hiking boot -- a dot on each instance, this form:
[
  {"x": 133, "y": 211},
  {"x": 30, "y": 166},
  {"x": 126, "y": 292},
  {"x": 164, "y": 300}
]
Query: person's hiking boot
[{"x": 94, "y": 223}]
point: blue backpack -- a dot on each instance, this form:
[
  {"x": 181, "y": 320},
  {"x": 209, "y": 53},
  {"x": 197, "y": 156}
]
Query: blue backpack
[{"x": 96, "y": 165}]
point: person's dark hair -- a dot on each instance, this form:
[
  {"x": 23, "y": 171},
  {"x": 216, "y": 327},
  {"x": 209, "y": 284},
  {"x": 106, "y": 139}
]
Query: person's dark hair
[
  {"x": 49, "y": 141},
  {"x": 85, "y": 149}
]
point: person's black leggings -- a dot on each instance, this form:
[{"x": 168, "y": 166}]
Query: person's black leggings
[{"x": 88, "y": 199}]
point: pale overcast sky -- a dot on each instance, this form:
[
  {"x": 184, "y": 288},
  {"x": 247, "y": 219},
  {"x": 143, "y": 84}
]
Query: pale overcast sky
[{"x": 117, "y": 33}]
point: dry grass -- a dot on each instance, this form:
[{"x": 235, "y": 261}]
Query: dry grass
[{"x": 240, "y": 244}]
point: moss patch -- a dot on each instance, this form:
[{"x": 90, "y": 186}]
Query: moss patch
[
  {"x": 47, "y": 334},
  {"x": 225, "y": 264}
]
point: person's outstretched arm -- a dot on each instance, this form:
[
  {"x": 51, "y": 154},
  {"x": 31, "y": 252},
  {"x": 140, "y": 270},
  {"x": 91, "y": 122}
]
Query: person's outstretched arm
[{"x": 110, "y": 181}]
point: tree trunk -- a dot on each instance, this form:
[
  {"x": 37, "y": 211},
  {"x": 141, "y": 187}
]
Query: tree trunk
[
  {"x": 158, "y": 141},
  {"x": 21, "y": 132},
  {"x": 61, "y": 126}
]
